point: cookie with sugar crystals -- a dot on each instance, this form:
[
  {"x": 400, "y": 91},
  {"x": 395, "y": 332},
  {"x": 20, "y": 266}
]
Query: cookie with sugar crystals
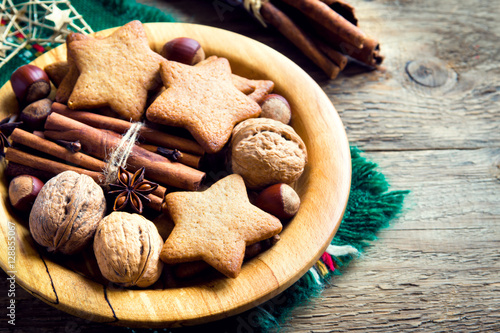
[
  {"x": 203, "y": 100},
  {"x": 115, "y": 71},
  {"x": 216, "y": 225}
]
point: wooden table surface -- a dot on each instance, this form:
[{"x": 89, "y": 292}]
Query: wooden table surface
[{"x": 437, "y": 268}]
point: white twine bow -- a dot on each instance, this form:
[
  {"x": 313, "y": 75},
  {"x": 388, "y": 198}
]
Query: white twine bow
[{"x": 119, "y": 155}]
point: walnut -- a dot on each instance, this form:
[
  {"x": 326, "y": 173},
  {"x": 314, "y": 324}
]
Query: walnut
[
  {"x": 66, "y": 212},
  {"x": 266, "y": 151},
  {"x": 127, "y": 247}
]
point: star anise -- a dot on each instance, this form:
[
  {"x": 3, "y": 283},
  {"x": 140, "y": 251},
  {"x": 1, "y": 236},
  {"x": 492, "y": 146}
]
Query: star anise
[
  {"x": 131, "y": 190},
  {"x": 6, "y": 129}
]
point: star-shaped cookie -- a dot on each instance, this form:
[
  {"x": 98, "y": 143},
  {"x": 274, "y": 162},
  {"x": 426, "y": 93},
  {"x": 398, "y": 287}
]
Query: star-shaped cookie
[
  {"x": 66, "y": 86},
  {"x": 202, "y": 99},
  {"x": 116, "y": 71},
  {"x": 216, "y": 225},
  {"x": 254, "y": 89}
]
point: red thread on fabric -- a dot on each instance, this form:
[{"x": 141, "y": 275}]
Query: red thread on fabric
[
  {"x": 38, "y": 47},
  {"x": 327, "y": 259}
]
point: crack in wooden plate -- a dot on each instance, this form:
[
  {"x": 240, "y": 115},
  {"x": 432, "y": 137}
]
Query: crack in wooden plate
[{"x": 323, "y": 188}]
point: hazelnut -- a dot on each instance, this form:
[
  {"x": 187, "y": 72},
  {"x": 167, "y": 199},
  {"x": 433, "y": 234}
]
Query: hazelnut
[
  {"x": 276, "y": 107},
  {"x": 265, "y": 152},
  {"x": 30, "y": 83},
  {"x": 66, "y": 212},
  {"x": 127, "y": 248},
  {"x": 23, "y": 191},
  {"x": 184, "y": 50},
  {"x": 259, "y": 247},
  {"x": 35, "y": 114},
  {"x": 279, "y": 200}
]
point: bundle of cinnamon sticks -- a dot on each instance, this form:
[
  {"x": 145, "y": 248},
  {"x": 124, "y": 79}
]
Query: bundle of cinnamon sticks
[
  {"x": 40, "y": 155},
  {"x": 326, "y": 31}
]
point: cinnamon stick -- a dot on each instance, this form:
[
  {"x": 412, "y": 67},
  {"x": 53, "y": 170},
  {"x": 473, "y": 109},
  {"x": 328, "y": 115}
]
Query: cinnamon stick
[
  {"x": 293, "y": 33},
  {"x": 343, "y": 8},
  {"x": 100, "y": 144},
  {"x": 338, "y": 58},
  {"x": 82, "y": 160},
  {"x": 155, "y": 202},
  {"x": 330, "y": 20},
  {"x": 15, "y": 169},
  {"x": 121, "y": 126},
  {"x": 51, "y": 167},
  {"x": 33, "y": 141},
  {"x": 44, "y": 164},
  {"x": 39, "y": 134},
  {"x": 185, "y": 158},
  {"x": 370, "y": 53},
  {"x": 73, "y": 146}
]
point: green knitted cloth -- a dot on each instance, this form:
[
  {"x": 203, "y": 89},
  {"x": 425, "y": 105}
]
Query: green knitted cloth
[{"x": 371, "y": 205}]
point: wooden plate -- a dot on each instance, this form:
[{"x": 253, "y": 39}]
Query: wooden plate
[{"x": 323, "y": 188}]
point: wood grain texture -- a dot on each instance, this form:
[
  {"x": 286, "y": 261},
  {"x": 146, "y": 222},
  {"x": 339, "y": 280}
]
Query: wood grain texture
[
  {"x": 260, "y": 279},
  {"x": 436, "y": 269}
]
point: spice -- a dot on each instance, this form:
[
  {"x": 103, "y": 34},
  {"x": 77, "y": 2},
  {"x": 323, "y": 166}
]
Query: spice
[
  {"x": 99, "y": 143},
  {"x": 131, "y": 190},
  {"x": 6, "y": 129},
  {"x": 325, "y": 31},
  {"x": 299, "y": 38},
  {"x": 54, "y": 149},
  {"x": 146, "y": 133},
  {"x": 72, "y": 146},
  {"x": 172, "y": 154}
]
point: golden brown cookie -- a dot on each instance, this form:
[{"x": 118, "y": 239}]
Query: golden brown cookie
[
  {"x": 216, "y": 225},
  {"x": 116, "y": 71},
  {"x": 202, "y": 99},
  {"x": 57, "y": 71},
  {"x": 66, "y": 86},
  {"x": 254, "y": 89}
]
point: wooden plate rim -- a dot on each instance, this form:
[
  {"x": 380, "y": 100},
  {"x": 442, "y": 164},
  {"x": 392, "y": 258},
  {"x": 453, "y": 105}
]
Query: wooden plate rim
[{"x": 327, "y": 177}]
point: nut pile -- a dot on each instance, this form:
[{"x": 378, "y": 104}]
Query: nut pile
[{"x": 236, "y": 128}]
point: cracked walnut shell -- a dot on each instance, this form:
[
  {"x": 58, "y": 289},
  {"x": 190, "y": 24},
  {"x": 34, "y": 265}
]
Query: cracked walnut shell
[
  {"x": 266, "y": 151},
  {"x": 127, "y": 248},
  {"x": 66, "y": 212}
]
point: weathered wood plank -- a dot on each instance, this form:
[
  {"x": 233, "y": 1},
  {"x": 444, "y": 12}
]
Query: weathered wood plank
[
  {"x": 438, "y": 267},
  {"x": 387, "y": 110}
]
